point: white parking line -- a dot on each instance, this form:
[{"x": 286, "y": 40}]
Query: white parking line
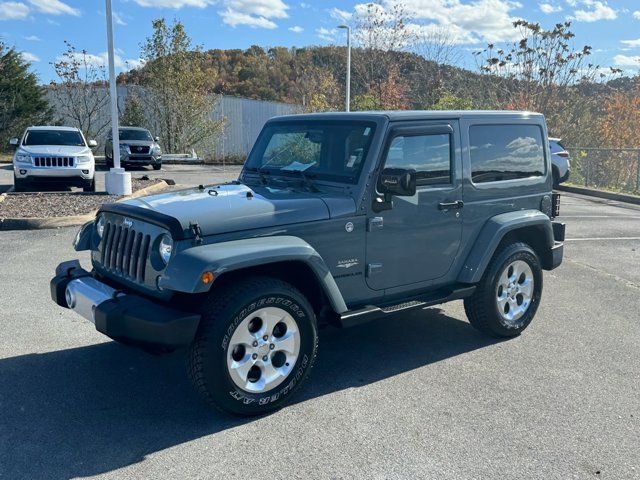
[
  {"x": 601, "y": 216},
  {"x": 586, "y": 239}
]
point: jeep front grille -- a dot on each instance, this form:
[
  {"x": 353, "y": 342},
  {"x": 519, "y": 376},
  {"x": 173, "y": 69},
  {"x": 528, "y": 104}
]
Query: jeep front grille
[
  {"x": 125, "y": 251},
  {"x": 53, "y": 161}
]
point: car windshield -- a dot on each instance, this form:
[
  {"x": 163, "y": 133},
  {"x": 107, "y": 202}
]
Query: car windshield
[
  {"x": 325, "y": 150},
  {"x": 135, "y": 134},
  {"x": 67, "y": 138}
]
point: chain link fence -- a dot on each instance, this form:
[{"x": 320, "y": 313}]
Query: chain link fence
[{"x": 607, "y": 168}]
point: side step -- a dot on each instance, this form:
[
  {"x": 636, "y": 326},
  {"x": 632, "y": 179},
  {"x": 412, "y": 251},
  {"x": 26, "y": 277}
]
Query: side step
[{"x": 372, "y": 312}]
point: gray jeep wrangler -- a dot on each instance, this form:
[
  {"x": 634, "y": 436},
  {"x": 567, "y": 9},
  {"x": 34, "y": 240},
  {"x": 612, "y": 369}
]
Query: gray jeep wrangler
[{"x": 336, "y": 218}]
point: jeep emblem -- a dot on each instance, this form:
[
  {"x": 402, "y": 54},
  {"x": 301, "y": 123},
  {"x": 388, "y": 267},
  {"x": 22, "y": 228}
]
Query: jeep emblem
[
  {"x": 127, "y": 222},
  {"x": 349, "y": 227}
]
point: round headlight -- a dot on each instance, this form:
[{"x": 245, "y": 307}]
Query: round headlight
[
  {"x": 100, "y": 226},
  {"x": 165, "y": 247}
]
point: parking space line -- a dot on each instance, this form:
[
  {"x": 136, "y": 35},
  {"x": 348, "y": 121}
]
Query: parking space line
[
  {"x": 586, "y": 239},
  {"x": 601, "y": 216}
]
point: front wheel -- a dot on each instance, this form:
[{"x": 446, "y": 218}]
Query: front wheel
[
  {"x": 255, "y": 345},
  {"x": 90, "y": 186},
  {"x": 507, "y": 297},
  {"x": 157, "y": 166}
]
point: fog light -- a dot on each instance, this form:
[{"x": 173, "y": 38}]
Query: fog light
[
  {"x": 86, "y": 172},
  {"x": 68, "y": 296},
  {"x": 23, "y": 172}
]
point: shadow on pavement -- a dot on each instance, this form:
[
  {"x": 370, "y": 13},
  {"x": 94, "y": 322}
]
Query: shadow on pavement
[{"x": 94, "y": 409}]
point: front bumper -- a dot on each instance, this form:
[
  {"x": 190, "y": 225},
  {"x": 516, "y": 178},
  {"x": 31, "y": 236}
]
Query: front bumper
[
  {"x": 121, "y": 315},
  {"x": 30, "y": 172}
]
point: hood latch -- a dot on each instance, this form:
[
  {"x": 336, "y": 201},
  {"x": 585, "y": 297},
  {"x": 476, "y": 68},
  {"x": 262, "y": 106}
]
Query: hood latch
[{"x": 197, "y": 232}]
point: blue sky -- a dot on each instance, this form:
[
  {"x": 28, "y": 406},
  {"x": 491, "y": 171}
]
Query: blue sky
[{"x": 38, "y": 28}]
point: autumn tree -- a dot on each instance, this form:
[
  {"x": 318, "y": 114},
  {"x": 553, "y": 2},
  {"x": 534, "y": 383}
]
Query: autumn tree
[
  {"x": 80, "y": 93},
  {"x": 22, "y": 100},
  {"x": 134, "y": 112},
  {"x": 179, "y": 89}
]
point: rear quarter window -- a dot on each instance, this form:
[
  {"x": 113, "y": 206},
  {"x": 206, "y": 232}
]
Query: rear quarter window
[{"x": 506, "y": 152}]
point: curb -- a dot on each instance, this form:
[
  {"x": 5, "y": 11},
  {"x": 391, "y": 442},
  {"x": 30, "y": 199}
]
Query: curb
[
  {"x": 592, "y": 192},
  {"x": 69, "y": 221}
]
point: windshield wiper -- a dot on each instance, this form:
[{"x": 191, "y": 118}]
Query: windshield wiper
[
  {"x": 305, "y": 179},
  {"x": 261, "y": 173}
]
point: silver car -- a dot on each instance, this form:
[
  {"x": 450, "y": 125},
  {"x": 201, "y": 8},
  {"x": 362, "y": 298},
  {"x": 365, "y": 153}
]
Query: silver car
[
  {"x": 53, "y": 155},
  {"x": 560, "y": 163},
  {"x": 137, "y": 147}
]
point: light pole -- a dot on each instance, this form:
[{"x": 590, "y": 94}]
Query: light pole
[
  {"x": 348, "y": 96},
  {"x": 118, "y": 182}
]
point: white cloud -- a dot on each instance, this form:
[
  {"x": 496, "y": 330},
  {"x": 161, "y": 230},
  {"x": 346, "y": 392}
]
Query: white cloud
[
  {"x": 102, "y": 60},
  {"x": 636, "y": 14},
  {"x": 328, "y": 35},
  {"x": 631, "y": 43},
  {"x": 29, "y": 57},
  {"x": 33, "y": 38},
  {"x": 340, "y": 15},
  {"x": 117, "y": 18},
  {"x": 486, "y": 20},
  {"x": 234, "y": 18},
  {"x": 626, "y": 61},
  {"x": 254, "y": 13},
  {"x": 296, "y": 29},
  {"x": 549, "y": 8},
  {"x": 55, "y": 7},
  {"x": 595, "y": 10},
  {"x": 13, "y": 11},
  {"x": 175, "y": 4}
]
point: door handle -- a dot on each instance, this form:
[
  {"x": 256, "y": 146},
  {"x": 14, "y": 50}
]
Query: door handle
[{"x": 450, "y": 205}]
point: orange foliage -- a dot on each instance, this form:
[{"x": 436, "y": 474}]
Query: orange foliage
[{"x": 620, "y": 125}]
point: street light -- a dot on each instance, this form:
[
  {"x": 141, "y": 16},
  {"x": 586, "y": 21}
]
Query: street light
[
  {"x": 348, "y": 99},
  {"x": 118, "y": 182}
]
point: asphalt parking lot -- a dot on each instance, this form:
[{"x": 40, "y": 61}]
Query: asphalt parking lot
[{"x": 422, "y": 396}]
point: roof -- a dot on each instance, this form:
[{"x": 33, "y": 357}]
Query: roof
[
  {"x": 126, "y": 127},
  {"x": 53, "y": 127},
  {"x": 397, "y": 115}
]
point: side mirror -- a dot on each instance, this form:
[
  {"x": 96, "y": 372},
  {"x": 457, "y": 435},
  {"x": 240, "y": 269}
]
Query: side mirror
[
  {"x": 157, "y": 139},
  {"x": 93, "y": 144},
  {"x": 398, "y": 181},
  {"x": 14, "y": 142}
]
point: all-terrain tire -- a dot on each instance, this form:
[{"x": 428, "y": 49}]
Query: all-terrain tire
[
  {"x": 227, "y": 309},
  {"x": 482, "y": 307}
]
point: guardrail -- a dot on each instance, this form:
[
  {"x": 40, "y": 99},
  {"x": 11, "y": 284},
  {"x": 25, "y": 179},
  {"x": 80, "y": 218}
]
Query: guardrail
[{"x": 609, "y": 168}]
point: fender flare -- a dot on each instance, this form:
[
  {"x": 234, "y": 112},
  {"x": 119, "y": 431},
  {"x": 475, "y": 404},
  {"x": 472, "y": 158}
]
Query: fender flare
[
  {"x": 185, "y": 269},
  {"x": 492, "y": 234}
]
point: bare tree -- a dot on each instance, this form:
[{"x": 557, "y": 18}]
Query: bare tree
[{"x": 81, "y": 94}]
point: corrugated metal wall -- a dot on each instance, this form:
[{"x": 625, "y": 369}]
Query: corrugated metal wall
[{"x": 244, "y": 120}]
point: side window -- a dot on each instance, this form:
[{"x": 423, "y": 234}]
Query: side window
[
  {"x": 428, "y": 155},
  {"x": 506, "y": 152}
]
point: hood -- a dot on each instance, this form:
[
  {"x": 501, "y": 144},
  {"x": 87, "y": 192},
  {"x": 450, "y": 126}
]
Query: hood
[
  {"x": 60, "y": 150},
  {"x": 229, "y": 208}
]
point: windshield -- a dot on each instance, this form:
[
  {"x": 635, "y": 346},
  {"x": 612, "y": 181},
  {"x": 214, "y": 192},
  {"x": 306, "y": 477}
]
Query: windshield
[
  {"x": 67, "y": 138},
  {"x": 134, "y": 134},
  {"x": 325, "y": 150}
]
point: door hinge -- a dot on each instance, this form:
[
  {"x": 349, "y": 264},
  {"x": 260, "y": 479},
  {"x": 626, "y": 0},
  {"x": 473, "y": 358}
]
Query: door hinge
[
  {"x": 373, "y": 269},
  {"x": 375, "y": 223}
]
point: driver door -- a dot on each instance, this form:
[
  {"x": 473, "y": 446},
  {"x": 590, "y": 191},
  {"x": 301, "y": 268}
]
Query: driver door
[{"x": 418, "y": 239}]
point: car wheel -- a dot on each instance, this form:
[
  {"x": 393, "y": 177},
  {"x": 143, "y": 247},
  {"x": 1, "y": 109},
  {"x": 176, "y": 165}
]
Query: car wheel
[
  {"x": 157, "y": 166},
  {"x": 90, "y": 187},
  {"x": 508, "y": 296},
  {"x": 255, "y": 345}
]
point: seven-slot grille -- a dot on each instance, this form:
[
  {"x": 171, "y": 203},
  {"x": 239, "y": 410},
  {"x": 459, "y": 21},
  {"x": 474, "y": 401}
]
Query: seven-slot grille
[
  {"x": 53, "y": 161},
  {"x": 125, "y": 251}
]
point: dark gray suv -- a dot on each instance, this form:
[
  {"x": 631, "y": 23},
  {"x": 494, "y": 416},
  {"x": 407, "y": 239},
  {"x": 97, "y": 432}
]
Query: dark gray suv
[
  {"x": 337, "y": 218},
  {"x": 137, "y": 147}
]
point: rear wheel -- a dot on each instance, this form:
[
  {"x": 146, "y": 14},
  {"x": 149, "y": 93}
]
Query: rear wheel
[
  {"x": 507, "y": 297},
  {"x": 256, "y": 344}
]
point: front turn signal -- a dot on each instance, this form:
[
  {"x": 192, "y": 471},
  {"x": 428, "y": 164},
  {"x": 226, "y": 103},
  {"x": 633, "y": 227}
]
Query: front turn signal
[{"x": 207, "y": 278}]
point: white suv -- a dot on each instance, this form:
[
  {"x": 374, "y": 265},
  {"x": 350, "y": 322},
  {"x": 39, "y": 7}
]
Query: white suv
[{"x": 58, "y": 155}]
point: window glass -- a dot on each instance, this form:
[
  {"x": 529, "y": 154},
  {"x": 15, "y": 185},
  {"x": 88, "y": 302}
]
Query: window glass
[
  {"x": 333, "y": 151},
  {"x": 67, "y": 138},
  {"x": 506, "y": 152},
  {"x": 428, "y": 155},
  {"x": 134, "y": 134}
]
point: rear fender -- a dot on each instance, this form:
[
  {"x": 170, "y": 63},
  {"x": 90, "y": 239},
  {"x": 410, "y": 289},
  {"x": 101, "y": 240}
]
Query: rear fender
[
  {"x": 495, "y": 230},
  {"x": 184, "y": 271}
]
